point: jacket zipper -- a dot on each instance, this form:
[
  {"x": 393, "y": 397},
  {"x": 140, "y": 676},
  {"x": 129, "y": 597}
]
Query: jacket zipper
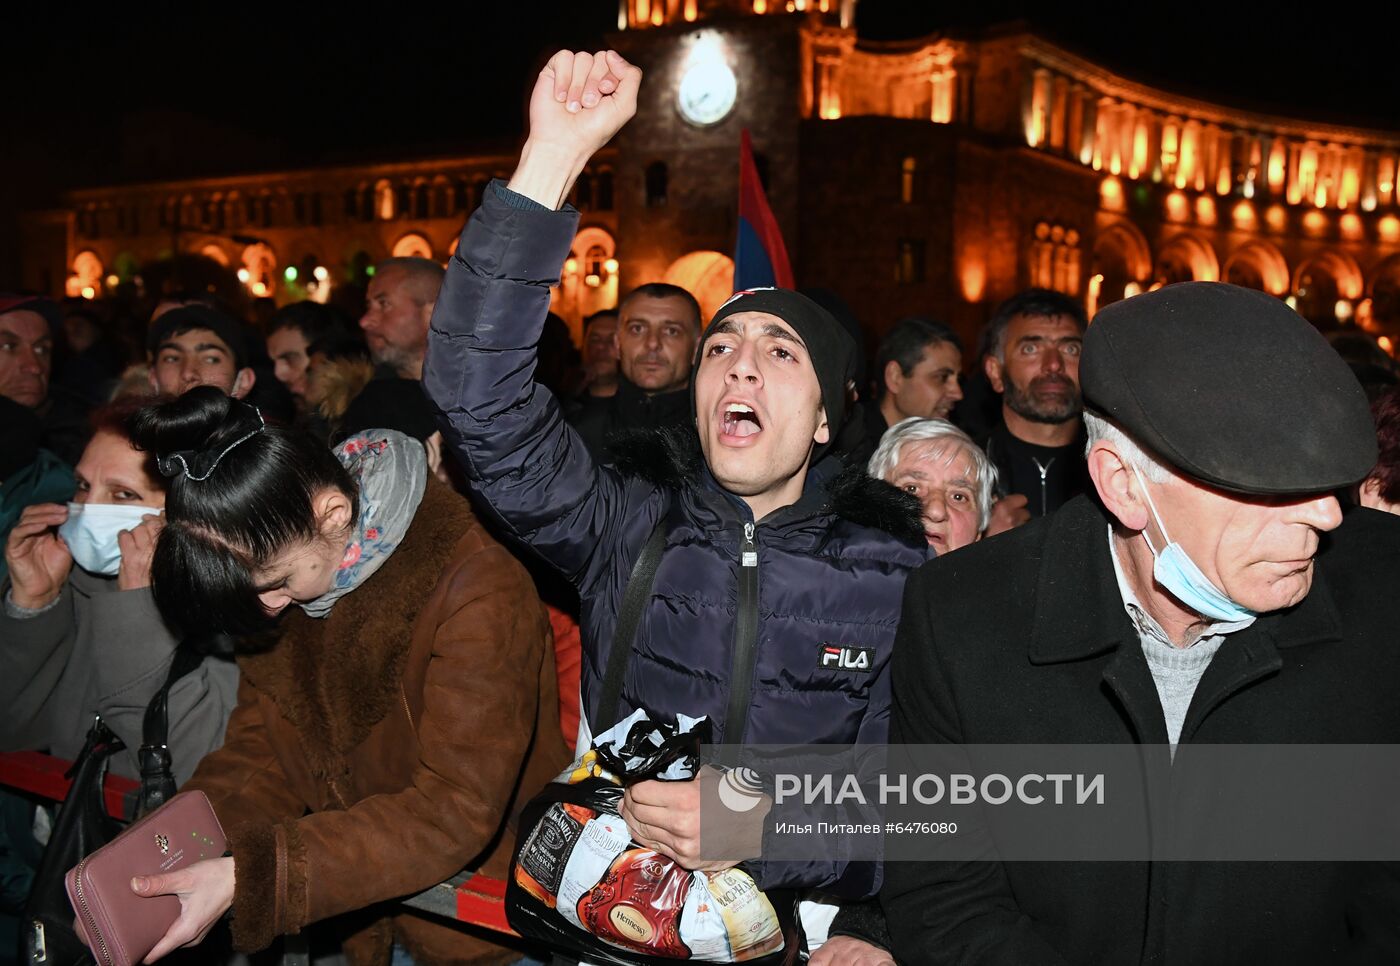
[
  {"x": 745, "y": 641},
  {"x": 1044, "y": 494},
  {"x": 87, "y": 913}
]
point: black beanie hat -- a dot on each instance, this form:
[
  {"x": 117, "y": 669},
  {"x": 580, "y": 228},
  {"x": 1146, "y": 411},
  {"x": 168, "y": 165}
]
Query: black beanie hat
[{"x": 829, "y": 345}]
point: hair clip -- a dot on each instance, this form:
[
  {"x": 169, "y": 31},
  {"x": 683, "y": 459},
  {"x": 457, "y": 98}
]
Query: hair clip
[{"x": 186, "y": 457}]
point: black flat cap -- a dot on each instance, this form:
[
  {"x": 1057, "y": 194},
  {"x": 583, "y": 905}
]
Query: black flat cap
[{"x": 1231, "y": 387}]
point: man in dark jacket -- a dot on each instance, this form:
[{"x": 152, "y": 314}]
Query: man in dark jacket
[
  {"x": 657, "y": 327},
  {"x": 1213, "y": 597},
  {"x": 1034, "y": 340},
  {"x": 769, "y": 550}
]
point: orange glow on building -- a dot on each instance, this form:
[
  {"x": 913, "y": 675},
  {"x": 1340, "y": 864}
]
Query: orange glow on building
[
  {"x": 1351, "y": 225},
  {"x": 1111, "y": 194},
  {"x": 1314, "y": 223},
  {"x": 1178, "y": 208},
  {"x": 1389, "y": 228},
  {"x": 760, "y": 6},
  {"x": 1205, "y": 210},
  {"x": 1243, "y": 216},
  {"x": 973, "y": 278},
  {"x": 1385, "y": 343},
  {"x": 1276, "y": 217}
]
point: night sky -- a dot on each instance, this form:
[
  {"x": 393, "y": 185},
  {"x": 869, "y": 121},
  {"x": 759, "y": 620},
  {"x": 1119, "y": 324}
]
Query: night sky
[{"x": 106, "y": 97}]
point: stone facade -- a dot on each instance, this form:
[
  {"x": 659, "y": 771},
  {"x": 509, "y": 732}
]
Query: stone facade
[{"x": 934, "y": 176}]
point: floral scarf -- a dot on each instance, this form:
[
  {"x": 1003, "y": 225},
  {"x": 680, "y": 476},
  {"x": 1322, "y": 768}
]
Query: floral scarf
[{"x": 391, "y": 471}]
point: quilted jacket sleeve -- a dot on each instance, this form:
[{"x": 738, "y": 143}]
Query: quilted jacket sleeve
[{"x": 508, "y": 432}]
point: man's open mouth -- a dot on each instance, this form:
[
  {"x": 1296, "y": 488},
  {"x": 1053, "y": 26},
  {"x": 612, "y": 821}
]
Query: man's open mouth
[{"x": 738, "y": 419}]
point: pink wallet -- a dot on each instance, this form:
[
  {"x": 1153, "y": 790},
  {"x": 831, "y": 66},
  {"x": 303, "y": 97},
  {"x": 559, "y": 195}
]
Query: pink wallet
[{"x": 119, "y": 926}]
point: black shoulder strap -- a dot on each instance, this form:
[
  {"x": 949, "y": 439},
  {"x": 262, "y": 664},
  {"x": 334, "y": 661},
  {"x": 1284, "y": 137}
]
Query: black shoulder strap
[
  {"x": 157, "y": 779},
  {"x": 634, "y": 601}
]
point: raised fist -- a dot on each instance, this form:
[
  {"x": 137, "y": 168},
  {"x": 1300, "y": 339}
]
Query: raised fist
[{"x": 581, "y": 100}]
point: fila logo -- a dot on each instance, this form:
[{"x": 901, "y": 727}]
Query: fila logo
[
  {"x": 748, "y": 291},
  {"x": 846, "y": 658}
]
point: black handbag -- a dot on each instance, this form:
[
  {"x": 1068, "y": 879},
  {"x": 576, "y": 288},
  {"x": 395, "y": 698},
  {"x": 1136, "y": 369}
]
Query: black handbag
[{"x": 83, "y": 825}]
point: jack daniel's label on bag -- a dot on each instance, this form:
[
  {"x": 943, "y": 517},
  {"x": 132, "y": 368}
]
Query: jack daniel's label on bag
[{"x": 545, "y": 854}]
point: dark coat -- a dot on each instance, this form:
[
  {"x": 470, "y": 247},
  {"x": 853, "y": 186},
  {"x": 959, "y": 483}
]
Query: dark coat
[
  {"x": 378, "y": 751},
  {"x": 602, "y": 421},
  {"x": 827, "y": 569},
  {"x": 1024, "y": 639}
]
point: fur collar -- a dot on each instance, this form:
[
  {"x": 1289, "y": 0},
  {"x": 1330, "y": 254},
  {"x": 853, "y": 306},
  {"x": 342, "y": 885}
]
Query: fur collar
[
  {"x": 671, "y": 458},
  {"x": 335, "y": 679}
]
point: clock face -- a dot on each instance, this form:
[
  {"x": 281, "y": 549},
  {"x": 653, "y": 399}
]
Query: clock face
[{"x": 707, "y": 93}]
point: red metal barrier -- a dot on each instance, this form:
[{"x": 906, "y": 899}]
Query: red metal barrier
[
  {"x": 467, "y": 897},
  {"x": 42, "y": 775}
]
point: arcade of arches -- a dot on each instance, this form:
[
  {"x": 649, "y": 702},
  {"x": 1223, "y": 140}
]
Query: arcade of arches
[{"x": 1327, "y": 288}]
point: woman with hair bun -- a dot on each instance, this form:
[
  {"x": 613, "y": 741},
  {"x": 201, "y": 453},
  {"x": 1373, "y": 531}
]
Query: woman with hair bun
[{"x": 408, "y": 704}]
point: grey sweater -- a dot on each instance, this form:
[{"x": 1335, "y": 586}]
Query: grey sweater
[{"x": 100, "y": 650}]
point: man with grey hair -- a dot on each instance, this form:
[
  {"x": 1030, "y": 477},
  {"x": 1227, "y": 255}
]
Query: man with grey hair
[
  {"x": 1213, "y": 595},
  {"x": 398, "y": 306},
  {"x": 948, "y": 473}
]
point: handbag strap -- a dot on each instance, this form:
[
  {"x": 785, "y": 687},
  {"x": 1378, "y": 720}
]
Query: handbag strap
[
  {"x": 157, "y": 779},
  {"x": 634, "y": 601}
]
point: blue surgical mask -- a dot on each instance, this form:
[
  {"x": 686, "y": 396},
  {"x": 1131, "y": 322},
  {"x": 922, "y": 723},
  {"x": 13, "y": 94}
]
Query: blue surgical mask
[
  {"x": 1178, "y": 573},
  {"x": 91, "y": 533}
]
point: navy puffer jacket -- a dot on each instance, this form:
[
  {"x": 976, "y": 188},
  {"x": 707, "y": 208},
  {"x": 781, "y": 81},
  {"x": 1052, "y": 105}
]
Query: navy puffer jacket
[{"x": 826, "y": 571}]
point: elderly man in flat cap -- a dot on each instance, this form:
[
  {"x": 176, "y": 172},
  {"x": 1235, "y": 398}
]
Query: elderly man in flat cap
[{"x": 1211, "y": 595}]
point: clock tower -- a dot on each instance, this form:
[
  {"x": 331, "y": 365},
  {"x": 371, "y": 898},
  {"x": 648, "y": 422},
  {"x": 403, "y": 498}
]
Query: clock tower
[{"x": 712, "y": 68}]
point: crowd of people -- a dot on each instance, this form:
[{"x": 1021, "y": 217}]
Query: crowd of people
[{"x": 403, "y": 550}]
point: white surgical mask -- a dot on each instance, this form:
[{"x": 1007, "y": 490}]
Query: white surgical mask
[
  {"x": 91, "y": 533},
  {"x": 1177, "y": 572}
]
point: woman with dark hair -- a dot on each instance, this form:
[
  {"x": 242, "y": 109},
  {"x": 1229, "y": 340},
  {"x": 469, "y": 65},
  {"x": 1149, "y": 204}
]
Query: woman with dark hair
[
  {"x": 82, "y": 635},
  {"x": 408, "y": 703},
  {"x": 1381, "y": 489}
]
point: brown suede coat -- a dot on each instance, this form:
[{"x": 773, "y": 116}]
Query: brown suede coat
[{"x": 378, "y": 751}]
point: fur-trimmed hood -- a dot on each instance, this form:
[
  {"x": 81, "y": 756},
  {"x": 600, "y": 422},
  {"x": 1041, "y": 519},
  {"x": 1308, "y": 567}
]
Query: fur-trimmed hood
[{"x": 672, "y": 458}]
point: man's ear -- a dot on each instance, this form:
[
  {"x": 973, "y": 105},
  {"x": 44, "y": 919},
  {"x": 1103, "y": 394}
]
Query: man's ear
[
  {"x": 243, "y": 383},
  {"x": 1119, "y": 487},
  {"x": 332, "y": 509},
  {"x": 991, "y": 365},
  {"x": 151, "y": 377},
  {"x": 894, "y": 377},
  {"x": 427, "y": 309},
  {"x": 823, "y": 433}
]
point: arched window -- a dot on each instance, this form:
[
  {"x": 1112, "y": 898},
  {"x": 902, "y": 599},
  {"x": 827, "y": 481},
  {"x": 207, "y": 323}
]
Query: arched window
[
  {"x": 413, "y": 245},
  {"x": 906, "y": 181},
  {"x": 656, "y": 186}
]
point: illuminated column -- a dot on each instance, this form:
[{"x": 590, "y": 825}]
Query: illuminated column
[
  {"x": 944, "y": 86},
  {"x": 1171, "y": 149},
  {"x": 1189, "y": 167},
  {"x": 1369, "y": 165},
  {"x": 1295, "y": 187},
  {"x": 1074, "y": 136},
  {"x": 1277, "y": 152},
  {"x": 1154, "y": 145},
  {"x": 1058, "y": 97},
  {"x": 1308, "y": 163},
  {"x": 1353, "y": 161},
  {"x": 1127, "y": 118},
  {"x": 1224, "y": 161},
  {"x": 1385, "y": 180},
  {"x": 1037, "y": 116},
  {"x": 1103, "y": 133}
]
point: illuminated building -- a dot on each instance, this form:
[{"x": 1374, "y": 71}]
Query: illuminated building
[{"x": 933, "y": 176}]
